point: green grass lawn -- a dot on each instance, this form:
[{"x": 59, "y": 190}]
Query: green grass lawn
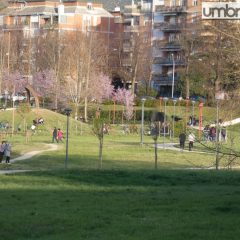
[
  {"x": 127, "y": 200},
  {"x": 120, "y": 204}
]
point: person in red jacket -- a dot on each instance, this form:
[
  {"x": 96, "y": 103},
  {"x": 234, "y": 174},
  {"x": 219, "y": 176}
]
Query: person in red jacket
[{"x": 60, "y": 135}]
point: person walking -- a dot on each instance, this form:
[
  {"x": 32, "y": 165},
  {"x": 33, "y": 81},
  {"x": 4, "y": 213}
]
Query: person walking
[
  {"x": 191, "y": 139},
  {"x": 7, "y": 152},
  {"x": 59, "y": 135},
  {"x": 182, "y": 139},
  {"x": 54, "y": 135},
  {"x": 2, "y": 149}
]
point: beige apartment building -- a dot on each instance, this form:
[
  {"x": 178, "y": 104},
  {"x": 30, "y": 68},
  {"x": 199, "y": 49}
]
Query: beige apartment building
[{"x": 34, "y": 16}]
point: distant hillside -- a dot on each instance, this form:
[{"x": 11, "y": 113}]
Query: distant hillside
[{"x": 51, "y": 120}]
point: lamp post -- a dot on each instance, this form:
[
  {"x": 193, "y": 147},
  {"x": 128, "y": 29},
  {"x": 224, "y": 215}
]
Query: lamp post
[
  {"x": 68, "y": 112},
  {"x": 142, "y": 122},
  {"x": 173, "y": 74},
  {"x": 164, "y": 126},
  {"x": 174, "y": 108},
  {"x": 193, "y": 104}
]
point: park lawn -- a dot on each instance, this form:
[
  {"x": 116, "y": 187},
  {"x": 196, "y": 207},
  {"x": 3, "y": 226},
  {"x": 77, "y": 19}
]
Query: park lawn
[
  {"x": 128, "y": 199},
  {"x": 120, "y": 204},
  {"x": 119, "y": 152}
]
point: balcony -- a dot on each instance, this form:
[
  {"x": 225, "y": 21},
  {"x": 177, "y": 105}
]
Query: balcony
[
  {"x": 127, "y": 20},
  {"x": 118, "y": 19},
  {"x": 127, "y": 47},
  {"x": 167, "y": 61},
  {"x": 15, "y": 27},
  {"x": 172, "y": 46},
  {"x": 126, "y": 63},
  {"x": 166, "y": 10},
  {"x": 165, "y": 80},
  {"x": 165, "y": 45},
  {"x": 169, "y": 27},
  {"x": 131, "y": 29},
  {"x": 128, "y": 35}
]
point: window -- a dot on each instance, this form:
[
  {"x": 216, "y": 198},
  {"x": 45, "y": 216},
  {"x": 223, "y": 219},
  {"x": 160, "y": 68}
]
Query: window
[
  {"x": 171, "y": 37},
  {"x": 24, "y": 20},
  {"x": 15, "y": 20},
  {"x": 194, "y": 17},
  {"x": 173, "y": 3},
  {"x": 172, "y": 20},
  {"x": 62, "y": 19},
  {"x": 194, "y": 2},
  {"x": 182, "y": 3}
]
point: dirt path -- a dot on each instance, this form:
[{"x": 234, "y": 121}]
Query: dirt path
[{"x": 51, "y": 147}]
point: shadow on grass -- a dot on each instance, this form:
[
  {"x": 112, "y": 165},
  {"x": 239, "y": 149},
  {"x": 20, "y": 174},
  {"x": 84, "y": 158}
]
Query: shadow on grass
[
  {"x": 120, "y": 204},
  {"x": 143, "y": 178}
]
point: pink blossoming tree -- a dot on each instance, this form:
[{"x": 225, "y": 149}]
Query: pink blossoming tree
[
  {"x": 101, "y": 88},
  {"x": 125, "y": 97}
]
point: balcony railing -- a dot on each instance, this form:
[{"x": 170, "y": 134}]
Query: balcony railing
[
  {"x": 15, "y": 26},
  {"x": 165, "y": 45},
  {"x": 167, "y": 61},
  {"x": 166, "y": 26},
  {"x": 131, "y": 29},
  {"x": 127, "y": 35},
  {"x": 167, "y": 10},
  {"x": 127, "y": 48},
  {"x": 126, "y": 63},
  {"x": 165, "y": 80},
  {"x": 118, "y": 20}
]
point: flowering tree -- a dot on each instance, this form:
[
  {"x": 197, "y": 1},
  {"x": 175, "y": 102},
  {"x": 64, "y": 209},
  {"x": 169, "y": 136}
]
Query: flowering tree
[
  {"x": 13, "y": 82},
  {"x": 127, "y": 98},
  {"x": 101, "y": 88},
  {"x": 44, "y": 81}
]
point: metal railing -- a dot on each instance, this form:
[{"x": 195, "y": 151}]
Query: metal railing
[
  {"x": 167, "y": 26},
  {"x": 168, "y": 9},
  {"x": 167, "y": 61},
  {"x": 165, "y": 80}
]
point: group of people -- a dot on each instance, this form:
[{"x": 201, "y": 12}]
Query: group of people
[
  {"x": 193, "y": 121},
  {"x": 35, "y": 123},
  {"x": 210, "y": 133},
  {"x": 182, "y": 140},
  {"x": 5, "y": 151},
  {"x": 57, "y": 135}
]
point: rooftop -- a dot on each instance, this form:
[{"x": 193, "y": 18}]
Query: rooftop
[{"x": 107, "y": 4}]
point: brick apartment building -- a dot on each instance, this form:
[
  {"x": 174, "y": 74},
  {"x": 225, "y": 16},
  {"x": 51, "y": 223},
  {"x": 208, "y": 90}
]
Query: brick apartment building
[{"x": 167, "y": 18}]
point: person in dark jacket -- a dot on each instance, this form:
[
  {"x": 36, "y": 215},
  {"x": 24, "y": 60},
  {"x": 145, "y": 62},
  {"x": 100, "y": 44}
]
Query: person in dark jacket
[
  {"x": 182, "y": 139},
  {"x": 54, "y": 135}
]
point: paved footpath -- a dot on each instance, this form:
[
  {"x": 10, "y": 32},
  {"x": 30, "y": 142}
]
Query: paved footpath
[
  {"x": 52, "y": 147},
  {"x": 172, "y": 146}
]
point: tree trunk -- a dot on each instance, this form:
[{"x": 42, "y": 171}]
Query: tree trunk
[
  {"x": 134, "y": 77},
  {"x": 100, "y": 149},
  {"x": 156, "y": 156}
]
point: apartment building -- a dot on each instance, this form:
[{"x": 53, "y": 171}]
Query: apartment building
[
  {"x": 33, "y": 17},
  {"x": 167, "y": 18},
  {"x": 171, "y": 18}
]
